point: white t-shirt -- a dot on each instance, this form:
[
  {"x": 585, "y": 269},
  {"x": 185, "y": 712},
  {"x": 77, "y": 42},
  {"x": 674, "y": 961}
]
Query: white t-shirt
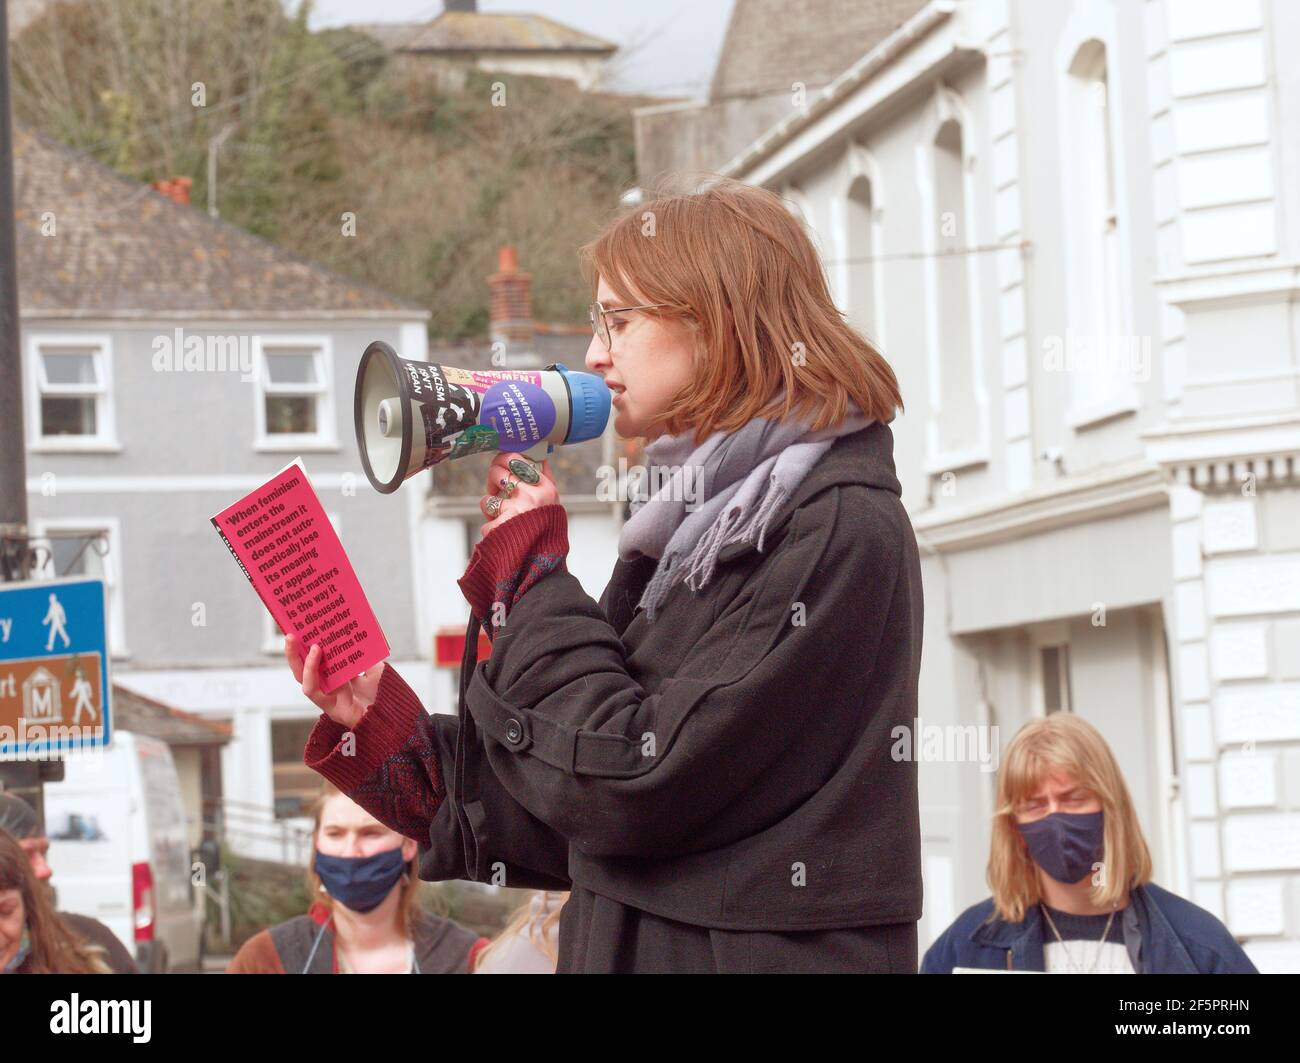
[{"x": 1081, "y": 950}]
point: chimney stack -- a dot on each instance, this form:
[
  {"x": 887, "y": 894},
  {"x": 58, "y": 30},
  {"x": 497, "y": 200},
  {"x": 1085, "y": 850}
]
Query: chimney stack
[
  {"x": 177, "y": 189},
  {"x": 511, "y": 303},
  {"x": 461, "y": 5}
]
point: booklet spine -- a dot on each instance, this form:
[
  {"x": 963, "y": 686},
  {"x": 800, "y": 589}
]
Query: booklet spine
[{"x": 272, "y": 607}]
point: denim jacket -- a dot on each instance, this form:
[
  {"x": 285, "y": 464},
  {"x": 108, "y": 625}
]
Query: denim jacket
[{"x": 1164, "y": 934}]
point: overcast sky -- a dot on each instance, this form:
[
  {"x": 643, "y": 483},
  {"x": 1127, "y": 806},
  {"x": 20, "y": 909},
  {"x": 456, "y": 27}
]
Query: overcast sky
[{"x": 671, "y": 45}]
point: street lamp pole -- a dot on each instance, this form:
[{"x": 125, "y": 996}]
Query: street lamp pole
[
  {"x": 26, "y": 778},
  {"x": 13, "y": 453}
]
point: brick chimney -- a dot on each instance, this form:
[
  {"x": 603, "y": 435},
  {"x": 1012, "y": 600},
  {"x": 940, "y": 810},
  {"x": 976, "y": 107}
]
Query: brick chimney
[
  {"x": 177, "y": 189},
  {"x": 511, "y": 303}
]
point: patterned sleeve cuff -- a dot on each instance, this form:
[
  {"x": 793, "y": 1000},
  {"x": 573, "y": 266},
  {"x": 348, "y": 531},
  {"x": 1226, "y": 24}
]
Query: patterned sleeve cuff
[
  {"x": 497, "y": 566},
  {"x": 382, "y": 731}
]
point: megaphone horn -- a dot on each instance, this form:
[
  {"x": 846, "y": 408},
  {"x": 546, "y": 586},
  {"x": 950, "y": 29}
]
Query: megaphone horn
[{"x": 410, "y": 415}]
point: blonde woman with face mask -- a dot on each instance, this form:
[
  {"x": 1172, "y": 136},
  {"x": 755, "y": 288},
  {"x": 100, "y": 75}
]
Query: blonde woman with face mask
[{"x": 1071, "y": 875}]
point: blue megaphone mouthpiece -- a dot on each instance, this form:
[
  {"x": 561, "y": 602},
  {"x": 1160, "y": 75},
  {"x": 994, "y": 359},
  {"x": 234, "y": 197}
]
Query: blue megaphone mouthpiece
[{"x": 589, "y": 401}]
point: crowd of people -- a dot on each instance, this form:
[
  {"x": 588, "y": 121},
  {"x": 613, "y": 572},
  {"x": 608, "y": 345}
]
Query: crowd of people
[{"x": 1069, "y": 872}]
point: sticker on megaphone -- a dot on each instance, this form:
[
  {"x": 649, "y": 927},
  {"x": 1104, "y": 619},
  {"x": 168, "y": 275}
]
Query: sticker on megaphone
[
  {"x": 521, "y": 413},
  {"x": 412, "y": 415}
]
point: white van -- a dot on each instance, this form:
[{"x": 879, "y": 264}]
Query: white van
[{"x": 119, "y": 850}]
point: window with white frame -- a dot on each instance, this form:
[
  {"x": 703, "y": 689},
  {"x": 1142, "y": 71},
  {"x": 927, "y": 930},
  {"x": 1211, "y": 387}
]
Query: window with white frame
[
  {"x": 862, "y": 247},
  {"x": 1100, "y": 353},
  {"x": 959, "y": 426},
  {"x": 86, "y": 547},
  {"x": 295, "y": 786},
  {"x": 72, "y": 380},
  {"x": 295, "y": 400}
]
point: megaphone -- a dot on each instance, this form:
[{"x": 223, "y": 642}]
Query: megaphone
[{"x": 410, "y": 416}]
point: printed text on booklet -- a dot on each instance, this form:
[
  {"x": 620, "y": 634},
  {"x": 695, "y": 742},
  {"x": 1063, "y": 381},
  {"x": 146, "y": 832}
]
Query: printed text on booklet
[{"x": 283, "y": 540}]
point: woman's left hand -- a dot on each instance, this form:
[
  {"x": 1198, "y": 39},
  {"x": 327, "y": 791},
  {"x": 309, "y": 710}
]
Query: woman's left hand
[{"x": 524, "y": 496}]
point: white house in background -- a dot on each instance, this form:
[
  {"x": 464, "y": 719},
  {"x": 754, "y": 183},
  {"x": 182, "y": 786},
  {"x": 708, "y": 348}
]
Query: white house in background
[
  {"x": 462, "y": 39},
  {"x": 1074, "y": 229},
  {"x": 139, "y": 455},
  {"x": 125, "y": 444}
]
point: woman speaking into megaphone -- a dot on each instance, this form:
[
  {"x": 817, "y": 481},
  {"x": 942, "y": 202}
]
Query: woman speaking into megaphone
[{"x": 704, "y": 757}]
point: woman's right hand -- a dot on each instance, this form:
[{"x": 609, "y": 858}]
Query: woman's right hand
[{"x": 346, "y": 705}]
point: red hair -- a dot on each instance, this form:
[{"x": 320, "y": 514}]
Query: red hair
[{"x": 735, "y": 264}]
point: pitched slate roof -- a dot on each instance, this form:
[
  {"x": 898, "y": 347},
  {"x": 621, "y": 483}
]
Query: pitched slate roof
[
  {"x": 459, "y": 32},
  {"x": 134, "y": 712},
  {"x": 771, "y": 44},
  {"x": 120, "y": 249}
]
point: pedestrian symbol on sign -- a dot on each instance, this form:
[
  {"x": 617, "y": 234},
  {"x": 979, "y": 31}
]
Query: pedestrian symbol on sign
[
  {"x": 56, "y": 618},
  {"x": 84, "y": 695}
]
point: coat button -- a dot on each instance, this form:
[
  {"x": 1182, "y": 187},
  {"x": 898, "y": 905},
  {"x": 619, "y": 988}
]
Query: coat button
[{"x": 514, "y": 732}]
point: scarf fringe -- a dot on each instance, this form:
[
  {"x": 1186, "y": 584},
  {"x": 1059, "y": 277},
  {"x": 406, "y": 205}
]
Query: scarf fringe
[
  {"x": 702, "y": 561},
  {"x": 772, "y": 501},
  {"x": 704, "y": 558},
  {"x": 746, "y": 515}
]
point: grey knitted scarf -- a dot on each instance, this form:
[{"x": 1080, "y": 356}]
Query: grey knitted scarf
[{"x": 725, "y": 490}]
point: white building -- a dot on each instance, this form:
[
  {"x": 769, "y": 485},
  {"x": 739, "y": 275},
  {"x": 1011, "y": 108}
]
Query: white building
[
  {"x": 137, "y": 452},
  {"x": 461, "y": 39},
  {"x": 1074, "y": 230},
  {"x": 131, "y": 449}
]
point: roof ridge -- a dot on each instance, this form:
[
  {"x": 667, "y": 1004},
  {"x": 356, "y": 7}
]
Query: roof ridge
[{"x": 218, "y": 726}]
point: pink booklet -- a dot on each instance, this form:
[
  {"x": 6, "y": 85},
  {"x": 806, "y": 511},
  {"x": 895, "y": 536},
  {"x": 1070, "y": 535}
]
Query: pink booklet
[{"x": 281, "y": 537}]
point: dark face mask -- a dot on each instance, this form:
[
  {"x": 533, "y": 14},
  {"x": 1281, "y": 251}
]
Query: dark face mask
[
  {"x": 360, "y": 882},
  {"x": 1065, "y": 844}
]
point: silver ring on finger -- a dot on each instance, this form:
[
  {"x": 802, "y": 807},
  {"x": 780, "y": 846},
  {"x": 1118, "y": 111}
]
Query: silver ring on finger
[
  {"x": 492, "y": 505},
  {"x": 525, "y": 470}
]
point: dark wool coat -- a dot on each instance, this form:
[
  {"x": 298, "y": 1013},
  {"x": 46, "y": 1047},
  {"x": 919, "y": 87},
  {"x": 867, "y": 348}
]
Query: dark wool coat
[{"x": 717, "y": 787}]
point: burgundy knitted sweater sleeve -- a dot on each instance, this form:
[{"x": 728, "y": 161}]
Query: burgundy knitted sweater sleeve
[
  {"x": 388, "y": 763},
  {"x": 511, "y": 558}
]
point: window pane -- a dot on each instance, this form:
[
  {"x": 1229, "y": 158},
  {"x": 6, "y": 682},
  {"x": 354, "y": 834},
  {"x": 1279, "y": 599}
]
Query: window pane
[
  {"x": 69, "y": 366},
  {"x": 291, "y": 366},
  {"x": 63, "y": 551},
  {"x": 1056, "y": 678},
  {"x": 959, "y": 425},
  {"x": 1051, "y": 680},
  {"x": 72, "y": 416},
  {"x": 296, "y": 786},
  {"x": 67, "y": 545},
  {"x": 290, "y": 413}
]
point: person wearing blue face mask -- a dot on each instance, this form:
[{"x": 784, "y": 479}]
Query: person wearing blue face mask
[
  {"x": 1071, "y": 875},
  {"x": 366, "y": 918}
]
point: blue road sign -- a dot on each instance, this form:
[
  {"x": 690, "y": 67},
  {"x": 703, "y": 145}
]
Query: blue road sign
[{"x": 54, "y": 688}]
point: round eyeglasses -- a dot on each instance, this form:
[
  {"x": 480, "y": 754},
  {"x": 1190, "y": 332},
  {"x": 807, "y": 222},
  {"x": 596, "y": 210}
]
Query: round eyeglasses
[{"x": 600, "y": 327}]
